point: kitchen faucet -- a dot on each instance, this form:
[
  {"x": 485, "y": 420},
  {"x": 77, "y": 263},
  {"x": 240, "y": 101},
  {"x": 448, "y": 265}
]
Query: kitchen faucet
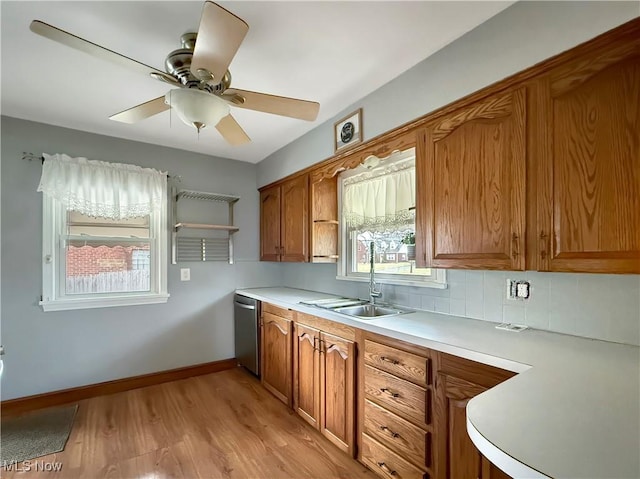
[{"x": 373, "y": 293}]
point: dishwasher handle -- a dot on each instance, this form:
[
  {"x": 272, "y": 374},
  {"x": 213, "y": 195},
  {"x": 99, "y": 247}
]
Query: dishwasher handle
[{"x": 245, "y": 306}]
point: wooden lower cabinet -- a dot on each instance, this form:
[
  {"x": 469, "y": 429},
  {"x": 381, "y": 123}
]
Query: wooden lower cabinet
[
  {"x": 275, "y": 355},
  {"x": 324, "y": 384},
  {"x": 458, "y": 381},
  {"x": 396, "y": 421},
  {"x": 409, "y": 426}
]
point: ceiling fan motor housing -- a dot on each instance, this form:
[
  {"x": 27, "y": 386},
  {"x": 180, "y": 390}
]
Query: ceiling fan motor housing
[{"x": 178, "y": 64}]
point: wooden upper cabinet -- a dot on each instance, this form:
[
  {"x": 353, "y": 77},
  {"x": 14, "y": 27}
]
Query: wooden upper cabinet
[
  {"x": 589, "y": 163},
  {"x": 270, "y": 224},
  {"x": 471, "y": 184},
  {"x": 295, "y": 219},
  {"x": 284, "y": 221},
  {"x": 276, "y": 364}
]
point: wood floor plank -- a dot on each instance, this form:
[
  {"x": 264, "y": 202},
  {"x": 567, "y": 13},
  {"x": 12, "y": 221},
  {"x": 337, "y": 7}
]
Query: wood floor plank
[{"x": 218, "y": 426}]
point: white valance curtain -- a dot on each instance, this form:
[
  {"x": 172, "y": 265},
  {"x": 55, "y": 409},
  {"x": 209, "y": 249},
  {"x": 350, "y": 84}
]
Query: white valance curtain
[
  {"x": 380, "y": 200},
  {"x": 101, "y": 189}
]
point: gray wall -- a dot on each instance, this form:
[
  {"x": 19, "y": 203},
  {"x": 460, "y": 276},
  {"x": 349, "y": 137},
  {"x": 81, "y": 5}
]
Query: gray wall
[
  {"x": 56, "y": 350},
  {"x": 597, "y": 306},
  {"x": 518, "y": 37}
]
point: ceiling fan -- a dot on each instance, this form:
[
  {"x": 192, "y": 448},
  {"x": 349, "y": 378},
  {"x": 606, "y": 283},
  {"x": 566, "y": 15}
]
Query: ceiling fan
[{"x": 200, "y": 70}]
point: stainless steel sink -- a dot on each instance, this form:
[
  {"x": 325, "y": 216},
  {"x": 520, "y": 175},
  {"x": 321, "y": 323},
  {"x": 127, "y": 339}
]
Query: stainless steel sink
[{"x": 370, "y": 311}]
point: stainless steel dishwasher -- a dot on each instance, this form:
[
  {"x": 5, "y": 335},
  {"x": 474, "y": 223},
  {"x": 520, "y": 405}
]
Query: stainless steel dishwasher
[{"x": 246, "y": 312}]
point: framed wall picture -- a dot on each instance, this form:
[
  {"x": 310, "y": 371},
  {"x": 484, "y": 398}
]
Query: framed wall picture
[{"x": 348, "y": 131}]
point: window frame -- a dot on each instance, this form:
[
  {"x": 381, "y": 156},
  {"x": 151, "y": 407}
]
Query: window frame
[
  {"x": 54, "y": 298},
  {"x": 437, "y": 279}
]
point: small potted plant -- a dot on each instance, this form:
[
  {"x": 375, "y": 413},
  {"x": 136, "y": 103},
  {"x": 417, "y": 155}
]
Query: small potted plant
[{"x": 410, "y": 240}]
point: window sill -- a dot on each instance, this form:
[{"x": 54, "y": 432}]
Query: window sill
[
  {"x": 88, "y": 303},
  {"x": 398, "y": 282}
]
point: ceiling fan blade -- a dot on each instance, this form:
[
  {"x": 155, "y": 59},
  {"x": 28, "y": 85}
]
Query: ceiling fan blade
[
  {"x": 278, "y": 105},
  {"x": 70, "y": 40},
  {"x": 219, "y": 37},
  {"x": 142, "y": 111},
  {"x": 232, "y": 131}
]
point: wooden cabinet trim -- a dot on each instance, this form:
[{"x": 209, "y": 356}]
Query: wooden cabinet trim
[
  {"x": 277, "y": 310},
  {"x": 326, "y": 325}
]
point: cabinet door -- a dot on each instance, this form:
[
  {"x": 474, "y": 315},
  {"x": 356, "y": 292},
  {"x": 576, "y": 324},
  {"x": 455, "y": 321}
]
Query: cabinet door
[
  {"x": 295, "y": 220},
  {"x": 276, "y": 356},
  {"x": 589, "y": 169},
  {"x": 337, "y": 401},
  {"x": 270, "y": 224},
  {"x": 471, "y": 185},
  {"x": 458, "y": 456},
  {"x": 306, "y": 373}
]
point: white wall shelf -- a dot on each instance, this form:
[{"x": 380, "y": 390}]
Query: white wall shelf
[{"x": 202, "y": 249}]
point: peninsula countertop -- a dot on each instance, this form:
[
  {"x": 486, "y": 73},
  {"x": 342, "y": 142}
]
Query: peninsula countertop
[{"x": 573, "y": 411}]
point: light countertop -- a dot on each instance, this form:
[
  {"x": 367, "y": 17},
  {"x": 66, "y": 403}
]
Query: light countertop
[{"x": 572, "y": 412}]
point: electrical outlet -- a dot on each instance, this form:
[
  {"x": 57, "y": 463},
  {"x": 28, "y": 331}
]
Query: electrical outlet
[
  {"x": 185, "y": 274},
  {"x": 522, "y": 289}
]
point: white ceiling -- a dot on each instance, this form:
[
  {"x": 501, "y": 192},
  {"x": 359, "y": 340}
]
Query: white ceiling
[{"x": 331, "y": 52}]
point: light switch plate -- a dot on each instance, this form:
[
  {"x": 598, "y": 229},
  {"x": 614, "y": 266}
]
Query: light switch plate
[{"x": 185, "y": 274}]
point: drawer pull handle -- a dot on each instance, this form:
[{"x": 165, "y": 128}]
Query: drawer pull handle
[
  {"x": 393, "y": 434},
  {"x": 386, "y": 469},
  {"x": 389, "y": 392},
  {"x": 389, "y": 360}
]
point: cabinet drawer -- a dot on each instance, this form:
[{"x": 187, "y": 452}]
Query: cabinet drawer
[
  {"x": 387, "y": 463},
  {"x": 399, "y": 435},
  {"x": 277, "y": 310},
  {"x": 406, "y": 399},
  {"x": 397, "y": 362}
]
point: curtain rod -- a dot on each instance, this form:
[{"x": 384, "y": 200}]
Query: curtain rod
[{"x": 30, "y": 156}]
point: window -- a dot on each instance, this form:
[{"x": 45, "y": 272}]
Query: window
[
  {"x": 377, "y": 201},
  {"x": 96, "y": 261}
]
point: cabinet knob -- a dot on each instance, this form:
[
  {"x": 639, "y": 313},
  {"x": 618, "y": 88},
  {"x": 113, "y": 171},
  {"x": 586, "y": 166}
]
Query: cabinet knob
[{"x": 386, "y": 469}]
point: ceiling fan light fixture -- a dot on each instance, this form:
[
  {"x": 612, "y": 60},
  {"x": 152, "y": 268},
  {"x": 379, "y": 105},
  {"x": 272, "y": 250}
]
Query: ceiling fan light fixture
[{"x": 197, "y": 108}]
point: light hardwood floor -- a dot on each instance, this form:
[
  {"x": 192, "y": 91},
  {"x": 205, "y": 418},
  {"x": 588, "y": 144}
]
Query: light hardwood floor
[{"x": 222, "y": 425}]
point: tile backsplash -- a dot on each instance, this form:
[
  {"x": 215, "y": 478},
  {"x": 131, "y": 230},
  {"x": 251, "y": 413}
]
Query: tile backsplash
[{"x": 599, "y": 306}]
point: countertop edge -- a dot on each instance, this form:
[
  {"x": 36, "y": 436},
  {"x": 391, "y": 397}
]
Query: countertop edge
[{"x": 499, "y": 458}]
